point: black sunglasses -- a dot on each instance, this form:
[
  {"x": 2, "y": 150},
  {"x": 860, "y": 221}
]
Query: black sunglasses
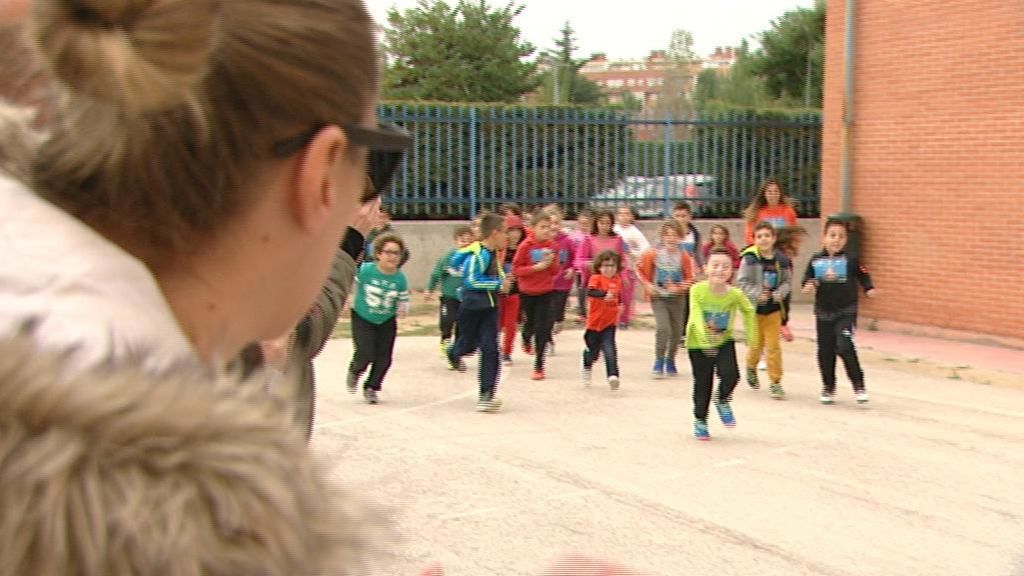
[{"x": 387, "y": 144}]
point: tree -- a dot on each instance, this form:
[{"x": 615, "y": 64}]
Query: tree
[
  {"x": 791, "y": 56},
  {"x": 673, "y": 98},
  {"x": 467, "y": 53},
  {"x": 740, "y": 86},
  {"x": 561, "y": 82}
]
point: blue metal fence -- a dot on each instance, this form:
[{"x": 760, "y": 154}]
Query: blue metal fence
[{"x": 466, "y": 158}]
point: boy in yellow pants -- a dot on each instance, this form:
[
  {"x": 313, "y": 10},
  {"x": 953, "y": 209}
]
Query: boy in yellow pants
[{"x": 765, "y": 278}]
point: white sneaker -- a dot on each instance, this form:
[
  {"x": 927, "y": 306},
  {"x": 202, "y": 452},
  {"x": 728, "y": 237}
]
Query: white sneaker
[
  {"x": 862, "y": 396},
  {"x": 488, "y": 405},
  {"x": 827, "y": 398},
  {"x": 613, "y": 382},
  {"x": 588, "y": 375}
]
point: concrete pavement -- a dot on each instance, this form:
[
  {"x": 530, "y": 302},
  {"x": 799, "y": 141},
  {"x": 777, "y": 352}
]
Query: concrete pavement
[{"x": 925, "y": 479}]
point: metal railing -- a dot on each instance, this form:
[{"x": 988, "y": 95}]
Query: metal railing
[{"x": 466, "y": 158}]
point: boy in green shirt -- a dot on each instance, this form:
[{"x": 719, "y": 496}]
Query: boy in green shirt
[
  {"x": 713, "y": 304},
  {"x": 381, "y": 294},
  {"x": 450, "y": 279}
]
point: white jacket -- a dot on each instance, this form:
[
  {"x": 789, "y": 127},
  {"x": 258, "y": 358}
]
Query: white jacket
[
  {"x": 635, "y": 241},
  {"x": 83, "y": 292}
]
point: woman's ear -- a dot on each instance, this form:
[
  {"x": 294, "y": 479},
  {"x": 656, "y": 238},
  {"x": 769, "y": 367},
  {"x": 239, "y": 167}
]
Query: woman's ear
[{"x": 315, "y": 194}]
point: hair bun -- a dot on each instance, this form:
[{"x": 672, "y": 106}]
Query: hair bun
[{"x": 139, "y": 55}]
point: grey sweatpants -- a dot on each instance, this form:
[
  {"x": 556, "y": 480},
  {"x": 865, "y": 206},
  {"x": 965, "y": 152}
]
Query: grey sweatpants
[{"x": 668, "y": 318}]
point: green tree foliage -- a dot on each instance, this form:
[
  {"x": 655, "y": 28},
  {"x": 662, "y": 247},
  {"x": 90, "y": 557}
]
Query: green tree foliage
[
  {"x": 471, "y": 52},
  {"x": 561, "y": 82},
  {"x": 791, "y": 56}
]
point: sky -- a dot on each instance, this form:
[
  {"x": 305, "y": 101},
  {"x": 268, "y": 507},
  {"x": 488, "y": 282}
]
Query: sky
[{"x": 646, "y": 25}]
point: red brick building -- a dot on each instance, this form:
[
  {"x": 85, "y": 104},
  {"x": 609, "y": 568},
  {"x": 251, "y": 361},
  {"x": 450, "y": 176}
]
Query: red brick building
[
  {"x": 937, "y": 157},
  {"x": 644, "y": 79}
]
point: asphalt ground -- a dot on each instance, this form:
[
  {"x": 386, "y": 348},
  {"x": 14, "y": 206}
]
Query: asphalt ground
[{"x": 927, "y": 478}]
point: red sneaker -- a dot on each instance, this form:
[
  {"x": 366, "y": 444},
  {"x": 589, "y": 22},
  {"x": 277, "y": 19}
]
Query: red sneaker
[
  {"x": 537, "y": 375},
  {"x": 528, "y": 348},
  {"x": 786, "y": 334}
]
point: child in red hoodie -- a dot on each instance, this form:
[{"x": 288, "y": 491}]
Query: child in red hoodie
[
  {"x": 508, "y": 304},
  {"x": 535, "y": 266}
]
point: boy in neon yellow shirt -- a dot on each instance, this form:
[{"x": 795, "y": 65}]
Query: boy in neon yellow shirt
[{"x": 713, "y": 304}]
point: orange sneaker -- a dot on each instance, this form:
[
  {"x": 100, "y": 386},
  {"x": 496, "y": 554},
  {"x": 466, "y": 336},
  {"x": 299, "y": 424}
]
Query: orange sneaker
[
  {"x": 786, "y": 334},
  {"x": 537, "y": 375}
]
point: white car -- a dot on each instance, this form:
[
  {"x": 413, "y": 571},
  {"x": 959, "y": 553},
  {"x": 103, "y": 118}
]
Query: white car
[{"x": 654, "y": 196}]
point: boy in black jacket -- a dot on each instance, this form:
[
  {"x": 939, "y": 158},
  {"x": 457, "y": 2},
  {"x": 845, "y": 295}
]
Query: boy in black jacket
[{"x": 830, "y": 275}]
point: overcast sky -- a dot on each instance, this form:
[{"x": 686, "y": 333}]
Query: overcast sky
[{"x": 631, "y": 29}]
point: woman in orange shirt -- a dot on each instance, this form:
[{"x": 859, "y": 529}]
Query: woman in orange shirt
[{"x": 771, "y": 205}]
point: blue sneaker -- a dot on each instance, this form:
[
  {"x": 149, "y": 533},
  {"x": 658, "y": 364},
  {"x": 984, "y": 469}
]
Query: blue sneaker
[
  {"x": 725, "y": 413},
  {"x": 658, "y": 371},
  {"x": 670, "y": 368},
  {"x": 700, "y": 430}
]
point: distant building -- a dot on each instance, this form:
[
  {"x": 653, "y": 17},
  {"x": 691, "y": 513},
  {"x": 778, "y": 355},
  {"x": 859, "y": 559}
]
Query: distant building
[
  {"x": 644, "y": 79},
  {"x": 722, "y": 59}
]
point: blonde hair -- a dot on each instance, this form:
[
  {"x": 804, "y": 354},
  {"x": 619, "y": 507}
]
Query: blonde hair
[
  {"x": 113, "y": 471},
  {"x": 173, "y": 106}
]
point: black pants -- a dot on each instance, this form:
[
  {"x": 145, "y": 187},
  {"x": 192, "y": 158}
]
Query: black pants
[
  {"x": 537, "y": 328},
  {"x": 559, "y": 300},
  {"x": 686, "y": 313},
  {"x": 478, "y": 329},
  {"x": 785, "y": 309},
  {"x": 374, "y": 344},
  {"x": 598, "y": 343},
  {"x": 704, "y": 367},
  {"x": 449, "y": 315},
  {"x": 835, "y": 338}
]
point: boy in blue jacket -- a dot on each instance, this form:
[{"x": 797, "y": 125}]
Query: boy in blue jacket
[{"x": 482, "y": 280}]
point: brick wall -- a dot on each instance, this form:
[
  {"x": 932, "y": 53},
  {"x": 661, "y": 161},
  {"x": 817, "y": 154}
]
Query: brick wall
[{"x": 938, "y": 157}]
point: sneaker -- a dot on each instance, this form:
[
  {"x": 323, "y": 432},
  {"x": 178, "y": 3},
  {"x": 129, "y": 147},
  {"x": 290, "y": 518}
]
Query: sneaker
[
  {"x": 658, "y": 370},
  {"x": 489, "y": 405},
  {"x": 556, "y": 329},
  {"x": 827, "y": 397},
  {"x": 725, "y": 413},
  {"x": 700, "y": 430},
  {"x": 352, "y": 383},
  {"x": 537, "y": 375},
  {"x": 457, "y": 364},
  {"x": 506, "y": 359},
  {"x": 613, "y": 382},
  {"x": 670, "y": 368},
  {"x": 752, "y": 379},
  {"x": 786, "y": 333},
  {"x": 445, "y": 344},
  {"x": 586, "y": 372},
  {"x": 528, "y": 348},
  {"x": 550, "y": 350},
  {"x": 371, "y": 396},
  {"x": 776, "y": 391},
  {"x": 862, "y": 396}
]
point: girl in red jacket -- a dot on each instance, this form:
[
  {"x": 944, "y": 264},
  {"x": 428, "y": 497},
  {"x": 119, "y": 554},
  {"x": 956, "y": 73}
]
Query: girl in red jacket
[
  {"x": 771, "y": 205},
  {"x": 719, "y": 238}
]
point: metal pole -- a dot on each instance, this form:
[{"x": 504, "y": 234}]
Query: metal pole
[{"x": 846, "y": 166}]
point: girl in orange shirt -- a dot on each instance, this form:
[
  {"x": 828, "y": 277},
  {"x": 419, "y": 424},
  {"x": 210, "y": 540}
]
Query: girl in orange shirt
[{"x": 771, "y": 205}]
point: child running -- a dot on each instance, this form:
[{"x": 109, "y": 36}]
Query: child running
[
  {"x": 584, "y": 223},
  {"x": 450, "y": 279},
  {"x": 566, "y": 254},
  {"x": 788, "y": 242},
  {"x": 666, "y": 273},
  {"x": 718, "y": 237},
  {"x": 830, "y": 275},
  {"x": 535, "y": 266},
  {"x": 770, "y": 205},
  {"x": 713, "y": 304},
  {"x": 604, "y": 292},
  {"x": 508, "y": 304},
  {"x": 765, "y": 277},
  {"x": 482, "y": 280},
  {"x": 382, "y": 293}
]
